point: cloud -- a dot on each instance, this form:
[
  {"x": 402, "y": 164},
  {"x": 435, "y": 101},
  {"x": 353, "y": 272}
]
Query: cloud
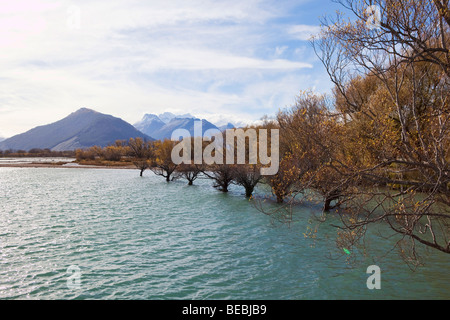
[
  {"x": 303, "y": 32},
  {"x": 226, "y": 59},
  {"x": 205, "y": 59},
  {"x": 280, "y": 50}
]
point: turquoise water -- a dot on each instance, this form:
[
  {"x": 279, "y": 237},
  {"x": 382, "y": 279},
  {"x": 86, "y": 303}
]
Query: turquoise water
[{"x": 141, "y": 238}]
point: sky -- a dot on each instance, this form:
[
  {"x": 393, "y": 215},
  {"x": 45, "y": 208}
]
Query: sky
[{"x": 223, "y": 60}]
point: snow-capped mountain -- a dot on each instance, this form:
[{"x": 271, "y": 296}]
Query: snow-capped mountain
[
  {"x": 161, "y": 126},
  {"x": 166, "y": 117}
]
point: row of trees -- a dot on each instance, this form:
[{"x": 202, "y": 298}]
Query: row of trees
[
  {"x": 379, "y": 148},
  {"x": 157, "y": 157},
  {"x": 36, "y": 152}
]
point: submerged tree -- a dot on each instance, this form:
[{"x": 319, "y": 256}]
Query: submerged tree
[
  {"x": 142, "y": 153},
  {"x": 222, "y": 176},
  {"x": 282, "y": 182},
  {"x": 247, "y": 176},
  {"x": 163, "y": 164},
  {"x": 392, "y": 99},
  {"x": 190, "y": 172},
  {"x": 310, "y": 140}
]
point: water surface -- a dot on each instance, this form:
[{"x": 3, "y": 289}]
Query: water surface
[{"x": 141, "y": 238}]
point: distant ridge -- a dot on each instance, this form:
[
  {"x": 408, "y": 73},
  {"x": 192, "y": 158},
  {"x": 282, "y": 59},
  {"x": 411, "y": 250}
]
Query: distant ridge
[
  {"x": 150, "y": 124},
  {"x": 162, "y": 126},
  {"x": 227, "y": 126},
  {"x": 81, "y": 129}
]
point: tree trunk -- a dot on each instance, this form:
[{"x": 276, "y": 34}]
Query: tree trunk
[
  {"x": 327, "y": 205},
  {"x": 248, "y": 192},
  {"x": 280, "y": 198},
  {"x": 333, "y": 196}
]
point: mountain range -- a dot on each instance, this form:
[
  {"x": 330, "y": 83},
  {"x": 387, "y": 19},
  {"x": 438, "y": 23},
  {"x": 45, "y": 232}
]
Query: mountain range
[
  {"x": 86, "y": 128},
  {"x": 81, "y": 129},
  {"x": 161, "y": 127}
]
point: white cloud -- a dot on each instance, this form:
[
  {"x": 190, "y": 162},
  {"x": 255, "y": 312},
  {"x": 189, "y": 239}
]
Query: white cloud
[
  {"x": 303, "y": 32},
  {"x": 280, "y": 50},
  {"x": 198, "y": 59},
  {"x": 132, "y": 57}
]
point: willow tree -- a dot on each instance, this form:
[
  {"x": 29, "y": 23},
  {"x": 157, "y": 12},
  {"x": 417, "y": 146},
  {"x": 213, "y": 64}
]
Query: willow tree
[
  {"x": 247, "y": 176},
  {"x": 163, "y": 164},
  {"x": 392, "y": 94},
  {"x": 142, "y": 153},
  {"x": 190, "y": 172},
  {"x": 222, "y": 176},
  {"x": 311, "y": 133}
]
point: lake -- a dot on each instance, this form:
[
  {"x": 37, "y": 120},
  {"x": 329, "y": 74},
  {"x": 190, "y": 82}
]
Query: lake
[{"x": 72, "y": 233}]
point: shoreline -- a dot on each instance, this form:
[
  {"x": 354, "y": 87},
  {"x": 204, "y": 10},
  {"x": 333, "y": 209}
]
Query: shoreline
[{"x": 49, "y": 165}]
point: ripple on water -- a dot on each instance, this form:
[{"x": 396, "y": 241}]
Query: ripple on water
[{"x": 141, "y": 238}]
